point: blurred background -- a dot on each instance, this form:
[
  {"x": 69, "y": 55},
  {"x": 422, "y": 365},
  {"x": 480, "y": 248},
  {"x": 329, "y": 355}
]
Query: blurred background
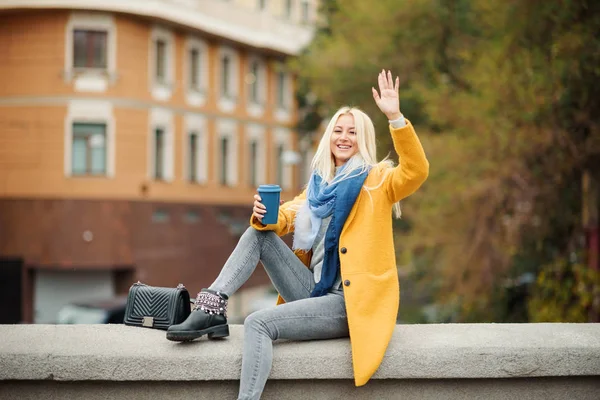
[{"x": 133, "y": 135}]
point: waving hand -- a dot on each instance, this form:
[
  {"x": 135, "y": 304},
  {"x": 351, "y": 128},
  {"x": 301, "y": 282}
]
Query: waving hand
[{"x": 388, "y": 99}]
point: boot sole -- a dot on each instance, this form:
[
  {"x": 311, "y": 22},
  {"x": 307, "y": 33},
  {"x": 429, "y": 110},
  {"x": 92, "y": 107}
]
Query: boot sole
[{"x": 214, "y": 332}]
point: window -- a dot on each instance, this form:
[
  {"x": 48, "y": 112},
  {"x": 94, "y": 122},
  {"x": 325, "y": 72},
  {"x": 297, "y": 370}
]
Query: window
[
  {"x": 256, "y": 84},
  {"x": 228, "y": 80},
  {"x": 160, "y": 145},
  {"x": 160, "y": 216},
  {"x": 281, "y": 89},
  {"x": 288, "y": 8},
  {"x": 281, "y": 163},
  {"x": 254, "y": 87},
  {"x": 195, "y": 69},
  {"x": 193, "y": 157},
  {"x": 89, "y": 139},
  {"x": 224, "y": 170},
  {"x": 226, "y": 76},
  {"x": 282, "y": 93},
  {"x": 279, "y": 171},
  {"x": 161, "y": 61},
  {"x": 89, "y": 149},
  {"x": 195, "y": 63},
  {"x": 192, "y": 217},
  {"x": 226, "y": 149},
  {"x": 90, "y": 52},
  {"x": 253, "y": 175},
  {"x": 256, "y": 157},
  {"x": 305, "y": 11},
  {"x": 90, "y": 49},
  {"x": 159, "y": 154}
]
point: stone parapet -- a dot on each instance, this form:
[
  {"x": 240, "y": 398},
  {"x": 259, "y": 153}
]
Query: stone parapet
[{"x": 451, "y": 361}]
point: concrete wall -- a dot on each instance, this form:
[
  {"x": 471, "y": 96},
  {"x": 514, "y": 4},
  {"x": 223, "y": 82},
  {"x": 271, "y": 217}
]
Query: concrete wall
[{"x": 465, "y": 361}]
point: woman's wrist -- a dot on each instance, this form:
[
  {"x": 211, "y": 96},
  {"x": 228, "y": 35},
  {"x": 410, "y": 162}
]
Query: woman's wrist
[{"x": 394, "y": 116}]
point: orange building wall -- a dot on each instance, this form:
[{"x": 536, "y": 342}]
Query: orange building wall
[
  {"x": 32, "y": 161},
  {"x": 32, "y": 46},
  {"x": 33, "y": 107}
]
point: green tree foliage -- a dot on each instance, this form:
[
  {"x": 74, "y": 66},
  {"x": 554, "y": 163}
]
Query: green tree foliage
[
  {"x": 505, "y": 95},
  {"x": 565, "y": 290}
]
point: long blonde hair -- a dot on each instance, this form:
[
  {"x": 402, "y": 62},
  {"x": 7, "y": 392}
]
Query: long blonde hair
[{"x": 323, "y": 162}]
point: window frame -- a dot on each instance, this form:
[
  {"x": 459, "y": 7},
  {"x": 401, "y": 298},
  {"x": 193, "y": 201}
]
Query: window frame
[
  {"x": 257, "y": 108},
  {"x": 281, "y": 90},
  {"x": 162, "y": 90},
  {"x": 160, "y": 118},
  {"x": 228, "y": 103},
  {"x": 196, "y": 96},
  {"x": 256, "y": 133},
  {"x": 195, "y": 123},
  {"x": 227, "y": 128},
  {"x": 90, "y": 79},
  {"x": 305, "y": 11},
  {"x": 288, "y": 9},
  {"x": 90, "y": 112},
  {"x": 253, "y": 167},
  {"x": 282, "y": 111},
  {"x": 279, "y": 164},
  {"x": 282, "y": 137},
  {"x": 88, "y": 170}
]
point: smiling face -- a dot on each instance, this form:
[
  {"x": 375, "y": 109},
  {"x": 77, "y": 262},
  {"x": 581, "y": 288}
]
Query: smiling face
[{"x": 343, "y": 139}]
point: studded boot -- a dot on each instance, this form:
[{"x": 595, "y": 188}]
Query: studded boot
[{"x": 209, "y": 317}]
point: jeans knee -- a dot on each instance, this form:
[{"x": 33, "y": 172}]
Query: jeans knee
[
  {"x": 260, "y": 235},
  {"x": 255, "y": 322},
  {"x": 250, "y": 231}
]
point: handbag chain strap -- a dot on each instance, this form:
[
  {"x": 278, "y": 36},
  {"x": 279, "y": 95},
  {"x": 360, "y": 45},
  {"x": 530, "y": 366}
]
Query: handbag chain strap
[{"x": 138, "y": 283}]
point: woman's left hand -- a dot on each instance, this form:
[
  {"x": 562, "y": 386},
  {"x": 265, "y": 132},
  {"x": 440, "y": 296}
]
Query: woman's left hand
[{"x": 388, "y": 100}]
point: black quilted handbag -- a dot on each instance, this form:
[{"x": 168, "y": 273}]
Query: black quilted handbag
[{"x": 156, "y": 307}]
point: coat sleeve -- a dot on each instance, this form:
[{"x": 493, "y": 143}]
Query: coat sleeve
[
  {"x": 413, "y": 168},
  {"x": 285, "y": 219}
]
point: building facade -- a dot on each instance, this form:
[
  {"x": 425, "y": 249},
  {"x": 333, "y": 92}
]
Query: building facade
[{"x": 133, "y": 135}]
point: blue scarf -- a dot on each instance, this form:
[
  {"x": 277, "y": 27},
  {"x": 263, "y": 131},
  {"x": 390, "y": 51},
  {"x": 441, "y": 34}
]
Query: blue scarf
[{"x": 335, "y": 199}]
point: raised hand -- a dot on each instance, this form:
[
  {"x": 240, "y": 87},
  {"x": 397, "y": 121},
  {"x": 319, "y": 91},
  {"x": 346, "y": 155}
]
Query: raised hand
[{"x": 388, "y": 99}]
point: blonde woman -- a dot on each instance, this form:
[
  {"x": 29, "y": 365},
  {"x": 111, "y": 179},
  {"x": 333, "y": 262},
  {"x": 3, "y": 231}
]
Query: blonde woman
[{"x": 342, "y": 226}]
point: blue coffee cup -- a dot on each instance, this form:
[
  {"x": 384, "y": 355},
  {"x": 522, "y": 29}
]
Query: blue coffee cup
[{"x": 270, "y": 195}]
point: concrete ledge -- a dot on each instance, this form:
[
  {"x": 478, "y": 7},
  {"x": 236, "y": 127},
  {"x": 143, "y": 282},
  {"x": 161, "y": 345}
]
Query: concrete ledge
[
  {"x": 123, "y": 353},
  {"x": 419, "y": 356}
]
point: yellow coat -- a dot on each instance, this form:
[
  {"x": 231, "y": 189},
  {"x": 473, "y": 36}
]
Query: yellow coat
[{"x": 368, "y": 264}]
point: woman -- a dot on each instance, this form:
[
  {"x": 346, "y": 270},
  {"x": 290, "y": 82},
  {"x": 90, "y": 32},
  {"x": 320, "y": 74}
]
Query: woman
[{"x": 342, "y": 226}]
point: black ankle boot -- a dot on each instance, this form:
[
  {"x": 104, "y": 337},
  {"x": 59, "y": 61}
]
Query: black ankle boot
[{"x": 209, "y": 317}]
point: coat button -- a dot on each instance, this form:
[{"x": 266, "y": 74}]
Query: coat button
[
  {"x": 346, "y": 282},
  {"x": 343, "y": 250}
]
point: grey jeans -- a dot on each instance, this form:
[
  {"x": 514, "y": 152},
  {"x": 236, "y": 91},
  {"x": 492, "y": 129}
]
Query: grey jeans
[{"x": 301, "y": 318}]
